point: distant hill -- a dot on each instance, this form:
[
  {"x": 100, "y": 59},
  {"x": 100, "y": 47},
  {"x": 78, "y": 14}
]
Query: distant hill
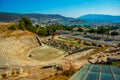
[
  {"x": 83, "y": 20},
  {"x": 100, "y": 18},
  {"x": 15, "y": 16}
]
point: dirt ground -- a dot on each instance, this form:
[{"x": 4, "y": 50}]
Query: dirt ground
[{"x": 46, "y": 53}]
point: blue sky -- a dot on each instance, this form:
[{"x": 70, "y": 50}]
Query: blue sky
[{"x": 69, "y": 8}]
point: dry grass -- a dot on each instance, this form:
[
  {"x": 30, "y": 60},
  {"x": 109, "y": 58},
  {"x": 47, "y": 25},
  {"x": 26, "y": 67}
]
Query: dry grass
[
  {"x": 22, "y": 33},
  {"x": 71, "y": 42},
  {"x": 46, "y": 53},
  {"x": 63, "y": 76},
  {"x": 4, "y": 26},
  {"x": 58, "y": 77},
  {"x": 116, "y": 63},
  {"x": 95, "y": 51},
  {"x": 16, "y": 33}
]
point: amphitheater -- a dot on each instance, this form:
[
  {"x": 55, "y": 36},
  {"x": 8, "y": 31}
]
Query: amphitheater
[
  {"x": 15, "y": 46},
  {"x": 15, "y": 50},
  {"x": 22, "y": 53}
]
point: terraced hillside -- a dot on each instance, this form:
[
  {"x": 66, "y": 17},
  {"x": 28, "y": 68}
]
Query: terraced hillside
[{"x": 15, "y": 45}]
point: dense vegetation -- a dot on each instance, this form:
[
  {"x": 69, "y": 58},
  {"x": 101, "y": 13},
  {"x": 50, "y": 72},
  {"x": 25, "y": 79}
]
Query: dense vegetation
[
  {"x": 104, "y": 30},
  {"x": 26, "y": 24}
]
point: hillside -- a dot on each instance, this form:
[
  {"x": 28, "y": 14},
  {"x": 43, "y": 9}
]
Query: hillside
[
  {"x": 7, "y": 17},
  {"x": 82, "y": 20},
  {"x": 100, "y": 18}
]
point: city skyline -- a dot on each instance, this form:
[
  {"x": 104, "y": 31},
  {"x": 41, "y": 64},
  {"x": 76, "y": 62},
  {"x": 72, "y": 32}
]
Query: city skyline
[{"x": 68, "y": 8}]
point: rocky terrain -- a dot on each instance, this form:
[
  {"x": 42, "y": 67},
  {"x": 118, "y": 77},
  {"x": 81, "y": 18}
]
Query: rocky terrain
[{"x": 112, "y": 54}]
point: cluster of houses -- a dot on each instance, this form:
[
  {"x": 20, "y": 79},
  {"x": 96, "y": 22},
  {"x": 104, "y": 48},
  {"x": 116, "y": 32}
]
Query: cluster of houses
[{"x": 110, "y": 55}]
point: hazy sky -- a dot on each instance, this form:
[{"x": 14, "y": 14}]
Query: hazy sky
[{"x": 69, "y": 8}]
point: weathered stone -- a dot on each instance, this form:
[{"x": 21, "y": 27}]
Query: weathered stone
[
  {"x": 87, "y": 43},
  {"x": 101, "y": 45},
  {"x": 118, "y": 44},
  {"x": 94, "y": 44},
  {"x": 20, "y": 70}
]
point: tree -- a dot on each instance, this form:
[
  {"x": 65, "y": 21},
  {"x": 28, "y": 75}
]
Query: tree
[
  {"x": 13, "y": 27},
  {"x": 42, "y": 31},
  {"x": 101, "y": 30},
  {"x": 69, "y": 28},
  {"x": 37, "y": 28},
  {"x": 114, "y": 33},
  {"x": 80, "y": 29},
  {"x": 22, "y": 24},
  {"x": 25, "y": 23},
  {"x": 108, "y": 31},
  {"x": 93, "y": 31}
]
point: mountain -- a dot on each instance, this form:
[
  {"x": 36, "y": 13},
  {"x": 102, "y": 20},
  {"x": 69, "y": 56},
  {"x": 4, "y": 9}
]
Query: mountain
[
  {"x": 4, "y": 17},
  {"x": 100, "y": 18},
  {"x": 45, "y": 18}
]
